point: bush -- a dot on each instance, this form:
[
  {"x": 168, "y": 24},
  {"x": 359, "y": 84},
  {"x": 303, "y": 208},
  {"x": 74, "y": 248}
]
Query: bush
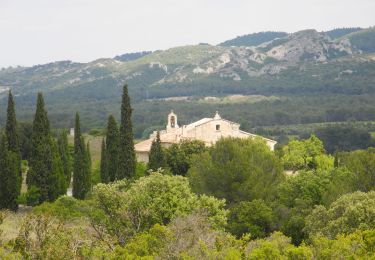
[
  {"x": 64, "y": 208},
  {"x": 253, "y": 217},
  {"x": 351, "y": 212},
  {"x": 125, "y": 209},
  {"x": 33, "y": 196}
]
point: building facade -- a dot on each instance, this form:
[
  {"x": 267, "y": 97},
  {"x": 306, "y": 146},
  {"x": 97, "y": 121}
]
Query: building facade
[{"x": 208, "y": 130}]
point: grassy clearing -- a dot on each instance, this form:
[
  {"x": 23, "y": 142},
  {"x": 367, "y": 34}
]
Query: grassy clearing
[
  {"x": 95, "y": 146},
  {"x": 12, "y": 223},
  {"x": 232, "y": 99}
]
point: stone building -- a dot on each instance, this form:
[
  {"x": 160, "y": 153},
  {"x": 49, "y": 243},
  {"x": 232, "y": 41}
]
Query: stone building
[{"x": 208, "y": 130}]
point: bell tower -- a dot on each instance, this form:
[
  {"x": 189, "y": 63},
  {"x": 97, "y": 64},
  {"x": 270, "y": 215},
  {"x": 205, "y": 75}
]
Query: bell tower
[{"x": 172, "y": 121}]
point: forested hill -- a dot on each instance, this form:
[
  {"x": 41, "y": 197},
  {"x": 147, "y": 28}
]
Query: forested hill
[{"x": 303, "y": 77}]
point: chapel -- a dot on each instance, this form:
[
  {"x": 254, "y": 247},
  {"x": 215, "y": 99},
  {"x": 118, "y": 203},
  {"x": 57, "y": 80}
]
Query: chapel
[{"x": 208, "y": 130}]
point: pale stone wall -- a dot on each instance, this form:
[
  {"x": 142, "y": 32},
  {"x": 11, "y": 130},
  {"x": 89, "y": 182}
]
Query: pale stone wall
[
  {"x": 142, "y": 156},
  {"x": 207, "y": 132}
]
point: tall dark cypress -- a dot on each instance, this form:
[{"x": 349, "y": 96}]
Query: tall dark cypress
[
  {"x": 157, "y": 155},
  {"x": 12, "y": 136},
  {"x": 89, "y": 162},
  {"x": 14, "y": 156},
  {"x": 81, "y": 174},
  {"x": 127, "y": 160},
  {"x": 9, "y": 176},
  {"x": 112, "y": 149},
  {"x": 11, "y": 126},
  {"x": 57, "y": 182},
  {"x": 103, "y": 163},
  {"x": 44, "y": 171},
  {"x": 65, "y": 156}
]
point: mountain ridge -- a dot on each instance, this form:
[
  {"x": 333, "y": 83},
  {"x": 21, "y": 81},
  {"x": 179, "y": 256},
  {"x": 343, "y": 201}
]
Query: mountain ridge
[{"x": 304, "y": 63}]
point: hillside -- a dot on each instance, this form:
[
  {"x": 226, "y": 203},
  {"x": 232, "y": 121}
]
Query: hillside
[
  {"x": 340, "y": 32},
  {"x": 299, "y": 70},
  {"x": 254, "y": 39}
]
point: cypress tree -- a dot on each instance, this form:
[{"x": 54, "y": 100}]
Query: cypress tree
[
  {"x": 44, "y": 171},
  {"x": 81, "y": 175},
  {"x": 89, "y": 163},
  {"x": 127, "y": 160},
  {"x": 13, "y": 154},
  {"x": 58, "y": 184},
  {"x": 11, "y": 126},
  {"x": 9, "y": 176},
  {"x": 112, "y": 148},
  {"x": 103, "y": 163},
  {"x": 63, "y": 147},
  {"x": 157, "y": 156}
]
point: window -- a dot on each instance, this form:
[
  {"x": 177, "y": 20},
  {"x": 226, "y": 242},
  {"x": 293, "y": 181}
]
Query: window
[
  {"x": 217, "y": 127},
  {"x": 173, "y": 122}
]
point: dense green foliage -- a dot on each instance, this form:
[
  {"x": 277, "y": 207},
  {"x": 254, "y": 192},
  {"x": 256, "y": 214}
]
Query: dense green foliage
[
  {"x": 127, "y": 160},
  {"x": 178, "y": 156},
  {"x": 351, "y": 212},
  {"x": 361, "y": 164},
  {"x": 236, "y": 170},
  {"x": 25, "y": 131},
  {"x": 81, "y": 166},
  {"x": 344, "y": 138},
  {"x": 126, "y": 209},
  {"x": 251, "y": 217},
  {"x": 302, "y": 154},
  {"x": 157, "y": 157}
]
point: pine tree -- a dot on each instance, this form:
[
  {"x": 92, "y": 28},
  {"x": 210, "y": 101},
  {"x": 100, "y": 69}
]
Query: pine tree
[
  {"x": 65, "y": 156},
  {"x": 103, "y": 164},
  {"x": 81, "y": 174},
  {"x": 112, "y": 148},
  {"x": 157, "y": 155},
  {"x": 127, "y": 161},
  {"x": 9, "y": 176},
  {"x": 44, "y": 171}
]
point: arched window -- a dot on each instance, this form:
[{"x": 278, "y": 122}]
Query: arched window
[{"x": 173, "y": 122}]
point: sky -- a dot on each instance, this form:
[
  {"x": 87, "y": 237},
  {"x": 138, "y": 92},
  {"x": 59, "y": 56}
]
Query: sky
[{"x": 40, "y": 31}]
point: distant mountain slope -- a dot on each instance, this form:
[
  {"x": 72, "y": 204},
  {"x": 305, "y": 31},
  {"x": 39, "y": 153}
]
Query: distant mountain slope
[
  {"x": 304, "y": 64},
  {"x": 339, "y": 32},
  {"x": 132, "y": 56},
  {"x": 187, "y": 65},
  {"x": 363, "y": 40},
  {"x": 253, "y": 39}
]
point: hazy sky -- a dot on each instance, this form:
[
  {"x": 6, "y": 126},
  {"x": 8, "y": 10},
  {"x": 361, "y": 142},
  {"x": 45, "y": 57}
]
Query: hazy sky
[{"x": 41, "y": 31}]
